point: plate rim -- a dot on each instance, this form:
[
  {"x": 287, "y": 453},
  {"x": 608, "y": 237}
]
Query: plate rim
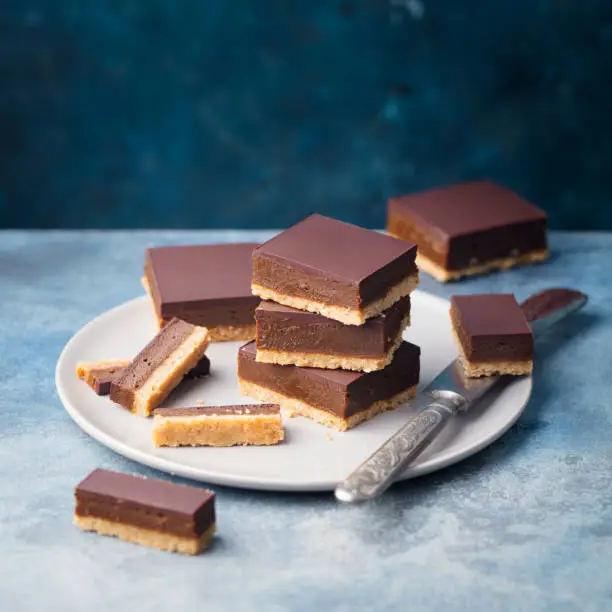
[{"x": 169, "y": 466}]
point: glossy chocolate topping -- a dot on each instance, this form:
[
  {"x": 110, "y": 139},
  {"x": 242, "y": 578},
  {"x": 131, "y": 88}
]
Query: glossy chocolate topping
[
  {"x": 491, "y": 327},
  {"x": 468, "y": 223},
  {"x": 281, "y": 328},
  {"x": 341, "y": 392},
  {"x": 146, "y": 502},
  {"x": 334, "y": 262},
  {"x": 209, "y": 281},
  {"x": 237, "y": 410},
  {"x": 491, "y": 314},
  {"x": 469, "y": 207},
  {"x": 148, "y": 360}
]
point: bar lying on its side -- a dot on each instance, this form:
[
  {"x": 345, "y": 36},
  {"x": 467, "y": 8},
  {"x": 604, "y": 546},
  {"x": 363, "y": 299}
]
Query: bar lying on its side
[
  {"x": 249, "y": 424},
  {"x": 100, "y": 374},
  {"x": 159, "y": 367}
]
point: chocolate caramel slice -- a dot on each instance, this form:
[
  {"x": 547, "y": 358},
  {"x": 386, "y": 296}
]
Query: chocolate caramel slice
[
  {"x": 146, "y": 511},
  {"x": 336, "y": 398},
  {"x": 249, "y": 424},
  {"x": 159, "y": 367},
  {"x": 100, "y": 374},
  {"x": 206, "y": 285},
  {"x": 492, "y": 334},
  {"x": 335, "y": 269},
  {"x": 469, "y": 228},
  {"x": 288, "y": 336}
]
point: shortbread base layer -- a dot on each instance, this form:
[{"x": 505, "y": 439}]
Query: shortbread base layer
[
  {"x": 170, "y": 373},
  {"x": 294, "y": 407},
  {"x": 503, "y": 263},
  {"x": 321, "y": 360},
  {"x": 145, "y": 537},
  {"x": 219, "y": 333},
  {"x": 217, "y": 430},
  {"x": 348, "y": 316},
  {"x": 495, "y": 368},
  {"x": 329, "y": 361},
  {"x": 232, "y": 333},
  {"x": 478, "y": 369}
]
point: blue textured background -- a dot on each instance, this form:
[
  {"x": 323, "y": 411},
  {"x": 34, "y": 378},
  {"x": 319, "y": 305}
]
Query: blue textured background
[
  {"x": 523, "y": 526},
  {"x": 252, "y": 114}
]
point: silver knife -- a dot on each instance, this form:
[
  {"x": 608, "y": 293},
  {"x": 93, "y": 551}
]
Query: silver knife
[{"x": 447, "y": 395}]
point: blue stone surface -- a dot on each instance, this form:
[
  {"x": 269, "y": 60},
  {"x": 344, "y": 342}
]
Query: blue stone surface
[
  {"x": 524, "y": 525},
  {"x": 129, "y": 113}
]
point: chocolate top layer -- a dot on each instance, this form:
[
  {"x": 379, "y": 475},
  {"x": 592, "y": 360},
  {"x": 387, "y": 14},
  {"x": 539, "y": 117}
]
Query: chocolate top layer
[
  {"x": 341, "y": 251},
  {"x": 490, "y": 315},
  {"x": 467, "y": 208},
  {"x": 165, "y": 496},
  {"x": 238, "y": 410},
  {"x": 215, "y": 275},
  {"x": 153, "y": 355}
]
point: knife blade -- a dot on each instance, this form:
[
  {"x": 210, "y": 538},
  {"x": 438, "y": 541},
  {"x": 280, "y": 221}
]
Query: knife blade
[{"x": 448, "y": 394}]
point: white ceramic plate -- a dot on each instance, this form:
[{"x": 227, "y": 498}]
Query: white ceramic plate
[{"x": 313, "y": 457}]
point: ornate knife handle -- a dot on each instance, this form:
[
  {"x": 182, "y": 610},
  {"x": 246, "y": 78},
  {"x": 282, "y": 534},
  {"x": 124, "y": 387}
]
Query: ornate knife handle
[{"x": 379, "y": 470}]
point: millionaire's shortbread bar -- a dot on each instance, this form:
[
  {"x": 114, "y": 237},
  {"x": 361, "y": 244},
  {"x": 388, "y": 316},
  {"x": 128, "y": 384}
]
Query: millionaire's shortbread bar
[
  {"x": 335, "y": 269},
  {"x": 146, "y": 511}
]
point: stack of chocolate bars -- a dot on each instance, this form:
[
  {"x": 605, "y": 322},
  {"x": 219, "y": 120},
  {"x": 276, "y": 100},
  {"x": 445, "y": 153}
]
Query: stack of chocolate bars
[{"x": 329, "y": 331}]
